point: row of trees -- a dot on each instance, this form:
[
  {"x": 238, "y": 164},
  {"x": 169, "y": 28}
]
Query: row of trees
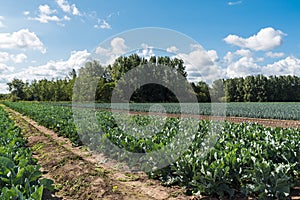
[
  {"x": 42, "y": 90},
  {"x": 263, "y": 89},
  {"x": 97, "y": 82}
]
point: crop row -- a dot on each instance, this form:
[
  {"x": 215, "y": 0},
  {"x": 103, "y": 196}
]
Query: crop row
[
  {"x": 220, "y": 159},
  {"x": 267, "y": 110},
  {"x": 19, "y": 174}
]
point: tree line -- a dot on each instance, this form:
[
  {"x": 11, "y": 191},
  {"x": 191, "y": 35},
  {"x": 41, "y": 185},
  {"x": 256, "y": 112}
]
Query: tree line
[{"x": 97, "y": 82}]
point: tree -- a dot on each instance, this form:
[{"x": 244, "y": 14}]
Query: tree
[
  {"x": 87, "y": 81},
  {"x": 201, "y": 91},
  {"x": 218, "y": 91},
  {"x": 230, "y": 90},
  {"x": 17, "y": 89}
]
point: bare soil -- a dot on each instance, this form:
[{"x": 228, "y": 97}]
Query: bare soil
[{"x": 265, "y": 122}]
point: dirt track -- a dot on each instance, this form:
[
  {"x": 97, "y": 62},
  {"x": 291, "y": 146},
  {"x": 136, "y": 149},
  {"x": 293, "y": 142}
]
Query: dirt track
[{"x": 265, "y": 122}]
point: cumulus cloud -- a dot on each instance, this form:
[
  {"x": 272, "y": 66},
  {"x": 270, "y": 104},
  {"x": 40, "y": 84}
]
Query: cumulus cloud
[
  {"x": 266, "y": 39},
  {"x": 241, "y": 63},
  {"x": 231, "y": 56},
  {"x": 244, "y": 66},
  {"x": 172, "y": 49},
  {"x": 288, "y": 66},
  {"x": 274, "y": 54},
  {"x": 201, "y": 64},
  {"x": 50, "y": 70},
  {"x": 102, "y": 24},
  {"x": 5, "y": 57},
  {"x": 46, "y": 15},
  {"x": 4, "y": 68},
  {"x": 54, "y": 69},
  {"x": 67, "y": 8},
  {"x": 19, "y": 58},
  {"x": 22, "y": 39},
  {"x": 1, "y": 22},
  {"x": 108, "y": 55}
]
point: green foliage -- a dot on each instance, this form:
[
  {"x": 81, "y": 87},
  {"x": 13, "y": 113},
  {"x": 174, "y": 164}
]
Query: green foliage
[
  {"x": 247, "y": 159},
  {"x": 19, "y": 174},
  {"x": 263, "y": 89}
]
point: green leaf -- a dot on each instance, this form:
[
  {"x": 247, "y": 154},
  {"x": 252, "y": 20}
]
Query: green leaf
[
  {"x": 38, "y": 194},
  {"x": 47, "y": 183}
]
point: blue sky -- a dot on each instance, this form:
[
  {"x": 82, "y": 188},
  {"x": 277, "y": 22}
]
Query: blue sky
[{"x": 46, "y": 39}]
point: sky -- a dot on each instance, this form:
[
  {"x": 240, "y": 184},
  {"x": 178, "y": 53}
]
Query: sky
[{"x": 217, "y": 38}]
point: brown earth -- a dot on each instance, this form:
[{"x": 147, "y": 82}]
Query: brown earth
[
  {"x": 265, "y": 122},
  {"x": 78, "y": 174}
]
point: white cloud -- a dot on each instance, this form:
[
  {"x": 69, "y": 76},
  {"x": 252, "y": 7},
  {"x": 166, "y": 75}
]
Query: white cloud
[
  {"x": 172, "y": 49},
  {"x": 75, "y": 10},
  {"x": 22, "y": 39},
  {"x": 244, "y": 52},
  {"x": 102, "y": 24},
  {"x": 274, "y": 54},
  {"x": 67, "y": 18},
  {"x": 201, "y": 64},
  {"x": 19, "y": 58},
  {"x": 45, "y": 9},
  {"x": 232, "y": 3},
  {"x": 108, "y": 55},
  {"x": 266, "y": 39},
  {"x": 231, "y": 56},
  {"x": 243, "y": 67},
  {"x": 213, "y": 55},
  {"x": 243, "y": 63},
  {"x": 5, "y": 57},
  {"x": 46, "y": 15},
  {"x": 1, "y": 22},
  {"x": 54, "y": 69},
  {"x": 4, "y": 68},
  {"x": 288, "y": 66},
  {"x": 67, "y": 8},
  {"x": 26, "y": 13}
]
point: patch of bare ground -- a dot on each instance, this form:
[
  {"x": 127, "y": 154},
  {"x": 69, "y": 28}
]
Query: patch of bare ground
[
  {"x": 265, "y": 122},
  {"x": 262, "y": 121}
]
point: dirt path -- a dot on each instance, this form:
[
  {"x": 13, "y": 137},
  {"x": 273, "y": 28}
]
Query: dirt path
[
  {"x": 78, "y": 174},
  {"x": 265, "y": 122}
]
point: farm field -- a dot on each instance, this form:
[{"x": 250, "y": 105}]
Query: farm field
[
  {"x": 247, "y": 160},
  {"x": 265, "y": 110},
  {"x": 164, "y": 100}
]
